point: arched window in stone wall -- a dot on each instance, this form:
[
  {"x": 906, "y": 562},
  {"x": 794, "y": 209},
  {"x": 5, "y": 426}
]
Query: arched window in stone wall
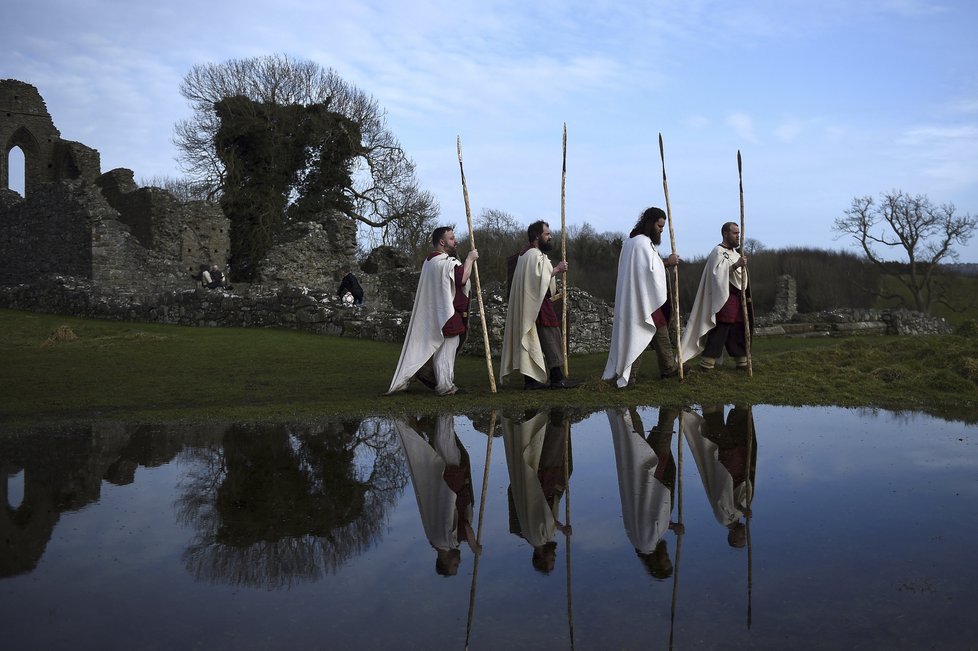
[
  {"x": 20, "y": 153},
  {"x": 16, "y": 170}
]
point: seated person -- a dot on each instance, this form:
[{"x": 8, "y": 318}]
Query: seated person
[
  {"x": 213, "y": 279},
  {"x": 352, "y": 285}
]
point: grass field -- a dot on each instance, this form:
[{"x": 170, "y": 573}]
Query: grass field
[{"x": 61, "y": 368}]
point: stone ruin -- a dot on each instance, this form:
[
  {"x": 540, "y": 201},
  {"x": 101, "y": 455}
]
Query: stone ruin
[{"x": 94, "y": 244}]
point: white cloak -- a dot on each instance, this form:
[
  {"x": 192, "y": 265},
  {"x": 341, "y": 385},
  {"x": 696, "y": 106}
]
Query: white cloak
[
  {"x": 524, "y": 444},
  {"x": 521, "y": 343},
  {"x": 728, "y": 501},
  {"x": 436, "y": 500},
  {"x": 432, "y": 310},
  {"x": 646, "y": 503},
  {"x": 640, "y": 291},
  {"x": 713, "y": 292}
]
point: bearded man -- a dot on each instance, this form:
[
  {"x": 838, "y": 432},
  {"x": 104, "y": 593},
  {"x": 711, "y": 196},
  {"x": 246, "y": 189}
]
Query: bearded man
[
  {"x": 439, "y": 318},
  {"x": 716, "y": 321},
  {"x": 533, "y": 342},
  {"x": 641, "y": 302}
]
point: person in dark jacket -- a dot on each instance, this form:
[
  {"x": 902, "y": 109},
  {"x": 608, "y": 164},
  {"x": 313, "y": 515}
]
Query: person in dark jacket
[{"x": 352, "y": 285}]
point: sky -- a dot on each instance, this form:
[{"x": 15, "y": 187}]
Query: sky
[{"x": 825, "y": 100}]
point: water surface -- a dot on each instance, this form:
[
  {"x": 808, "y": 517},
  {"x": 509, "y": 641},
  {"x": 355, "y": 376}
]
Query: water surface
[{"x": 722, "y": 527}]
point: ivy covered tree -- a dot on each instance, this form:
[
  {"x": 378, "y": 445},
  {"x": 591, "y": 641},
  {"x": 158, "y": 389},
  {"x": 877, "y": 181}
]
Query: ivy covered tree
[
  {"x": 383, "y": 187},
  {"x": 282, "y": 163}
]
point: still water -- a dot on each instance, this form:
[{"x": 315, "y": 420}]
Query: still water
[{"x": 705, "y": 528}]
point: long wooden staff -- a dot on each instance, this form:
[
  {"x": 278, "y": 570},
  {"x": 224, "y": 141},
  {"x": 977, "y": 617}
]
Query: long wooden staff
[
  {"x": 675, "y": 270},
  {"x": 750, "y": 500},
  {"x": 567, "y": 515},
  {"x": 563, "y": 250},
  {"x": 679, "y": 536},
  {"x": 475, "y": 271},
  {"x": 743, "y": 290},
  {"x": 478, "y": 535}
]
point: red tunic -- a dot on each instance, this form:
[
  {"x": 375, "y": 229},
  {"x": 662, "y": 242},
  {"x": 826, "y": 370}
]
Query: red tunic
[{"x": 456, "y": 325}]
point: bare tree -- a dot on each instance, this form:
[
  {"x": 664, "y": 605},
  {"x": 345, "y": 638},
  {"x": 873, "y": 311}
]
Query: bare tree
[
  {"x": 752, "y": 246},
  {"x": 915, "y": 232},
  {"x": 384, "y": 188}
]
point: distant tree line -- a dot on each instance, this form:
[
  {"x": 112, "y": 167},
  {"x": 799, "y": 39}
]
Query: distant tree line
[{"x": 824, "y": 279}]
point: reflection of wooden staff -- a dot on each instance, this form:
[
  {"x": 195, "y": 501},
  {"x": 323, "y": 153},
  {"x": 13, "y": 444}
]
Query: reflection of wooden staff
[
  {"x": 750, "y": 499},
  {"x": 679, "y": 536},
  {"x": 743, "y": 290},
  {"x": 475, "y": 271},
  {"x": 478, "y": 535},
  {"x": 563, "y": 250},
  {"x": 567, "y": 526},
  {"x": 672, "y": 242}
]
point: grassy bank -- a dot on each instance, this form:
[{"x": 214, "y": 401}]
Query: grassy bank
[{"x": 61, "y": 368}]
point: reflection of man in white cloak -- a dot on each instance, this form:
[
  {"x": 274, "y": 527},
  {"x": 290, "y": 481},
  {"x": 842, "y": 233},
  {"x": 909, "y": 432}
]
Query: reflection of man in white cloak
[
  {"x": 641, "y": 302},
  {"x": 646, "y": 480},
  {"x": 442, "y": 480},
  {"x": 535, "y": 460},
  {"x": 720, "y": 451},
  {"x": 716, "y": 321},
  {"x": 438, "y": 319},
  {"x": 532, "y": 341}
]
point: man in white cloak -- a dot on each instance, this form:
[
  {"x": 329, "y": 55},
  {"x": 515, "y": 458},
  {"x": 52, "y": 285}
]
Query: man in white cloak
[
  {"x": 720, "y": 451},
  {"x": 716, "y": 321},
  {"x": 641, "y": 302},
  {"x": 438, "y": 319},
  {"x": 442, "y": 479},
  {"x": 532, "y": 341},
  {"x": 646, "y": 480},
  {"x": 535, "y": 460}
]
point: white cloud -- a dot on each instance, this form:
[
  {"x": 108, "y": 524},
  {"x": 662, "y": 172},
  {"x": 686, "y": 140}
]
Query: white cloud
[{"x": 743, "y": 126}]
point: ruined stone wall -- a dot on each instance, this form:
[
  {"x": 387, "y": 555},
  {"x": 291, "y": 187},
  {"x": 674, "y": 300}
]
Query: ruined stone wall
[
  {"x": 310, "y": 254},
  {"x": 178, "y": 236},
  {"x": 70, "y": 228},
  {"x": 26, "y": 123},
  {"x": 51, "y": 233}
]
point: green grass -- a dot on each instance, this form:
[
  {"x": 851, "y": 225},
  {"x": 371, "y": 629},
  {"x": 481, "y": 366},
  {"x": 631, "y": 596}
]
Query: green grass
[{"x": 148, "y": 372}]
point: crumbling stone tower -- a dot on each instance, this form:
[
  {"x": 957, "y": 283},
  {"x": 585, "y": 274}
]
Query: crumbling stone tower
[
  {"x": 75, "y": 221},
  {"x": 27, "y": 124}
]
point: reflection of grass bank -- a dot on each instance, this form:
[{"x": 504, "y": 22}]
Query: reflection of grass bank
[{"x": 142, "y": 371}]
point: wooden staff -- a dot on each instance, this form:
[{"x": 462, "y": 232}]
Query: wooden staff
[
  {"x": 675, "y": 271},
  {"x": 747, "y": 515},
  {"x": 743, "y": 290},
  {"x": 478, "y": 535},
  {"x": 563, "y": 250},
  {"x": 567, "y": 535},
  {"x": 475, "y": 271},
  {"x": 679, "y": 536}
]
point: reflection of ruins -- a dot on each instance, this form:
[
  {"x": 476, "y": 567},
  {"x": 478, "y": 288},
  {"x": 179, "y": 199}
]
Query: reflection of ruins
[
  {"x": 273, "y": 505},
  {"x": 63, "y": 470}
]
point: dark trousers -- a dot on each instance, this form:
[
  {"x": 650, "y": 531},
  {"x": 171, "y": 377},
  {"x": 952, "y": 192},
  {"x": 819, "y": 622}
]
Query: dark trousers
[{"x": 726, "y": 335}]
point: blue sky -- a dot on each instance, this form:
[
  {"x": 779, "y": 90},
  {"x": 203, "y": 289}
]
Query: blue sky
[{"x": 825, "y": 100}]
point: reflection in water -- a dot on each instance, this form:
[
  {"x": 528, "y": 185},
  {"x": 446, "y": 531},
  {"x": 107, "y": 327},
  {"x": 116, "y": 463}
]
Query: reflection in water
[
  {"x": 279, "y": 504},
  {"x": 725, "y": 452},
  {"x": 441, "y": 474},
  {"x": 539, "y": 460},
  {"x": 646, "y": 484},
  {"x": 63, "y": 471},
  {"x": 269, "y": 506}
]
